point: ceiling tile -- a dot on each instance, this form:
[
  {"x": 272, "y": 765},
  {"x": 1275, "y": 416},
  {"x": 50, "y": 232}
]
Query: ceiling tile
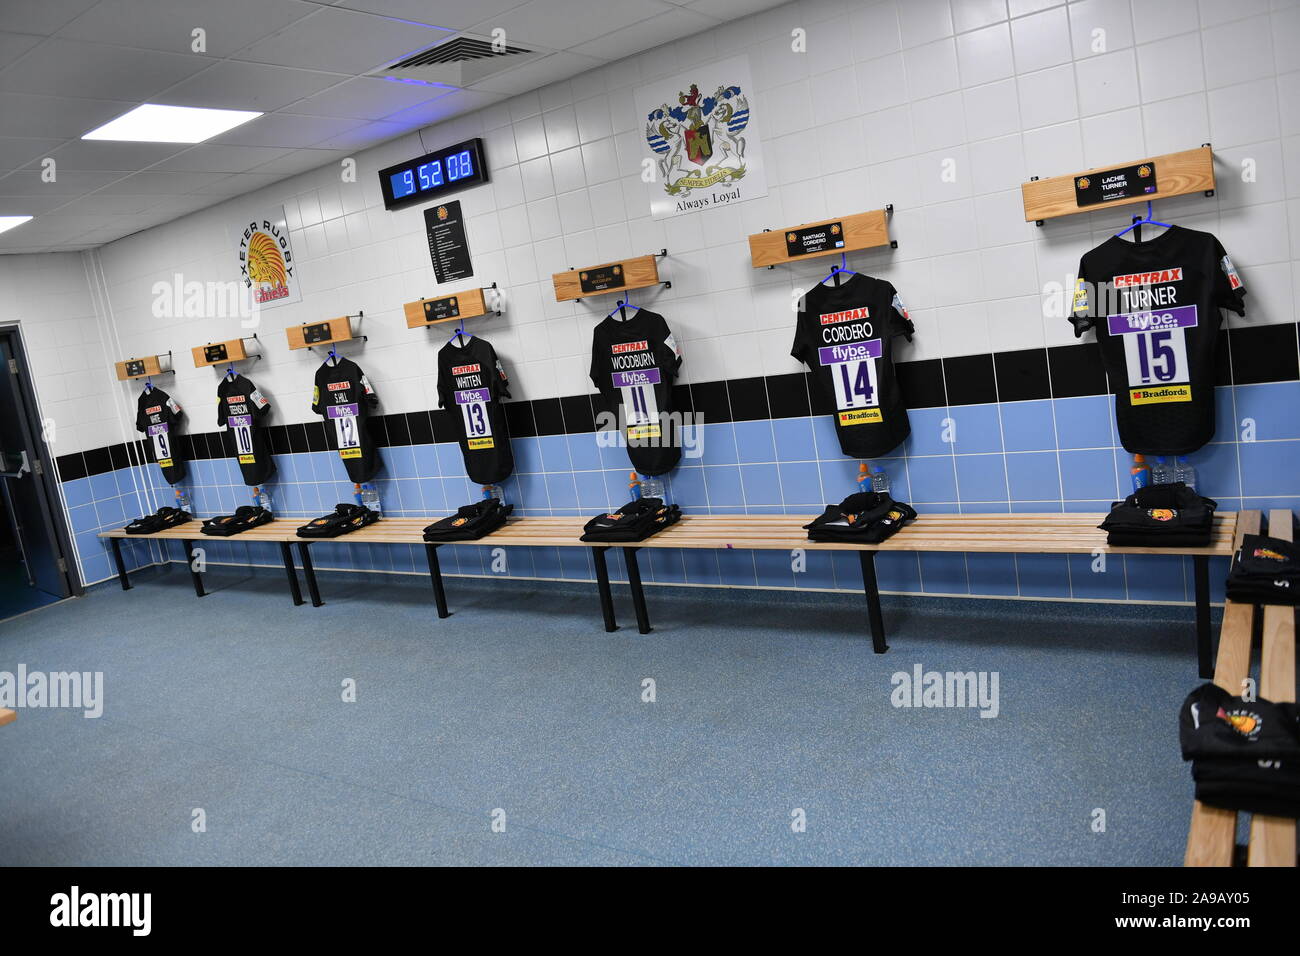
[
  {"x": 43, "y": 17},
  {"x": 238, "y": 184},
  {"x": 530, "y": 76},
  {"x": 160, "y": 182},
  {"x": 645, "y": 35},
  {"x": 342, "y": 41},
  {"x": 14, "y": 45},
  {"x": 362, "y": 136},
  {"x": 15, "y": 152},
  {"x": 286, "y": 129},
  {"x": 299, "y": 161},
  {"x": 72, "y": 68},
  {"x": 236, "y": 85},
  {"x": 366, "y": 97},
  {"x": 26, "y": 114},
  {"x": 207, "y": 158},
  {"x": 560, "y": 24},
  {"x": 28, "y": 182},
  {"x": 83, "y": 154},
  {"x": 456, "y": 103},
  {"x": 452, "y": 14},
  {"x": 168, "y": 24}
]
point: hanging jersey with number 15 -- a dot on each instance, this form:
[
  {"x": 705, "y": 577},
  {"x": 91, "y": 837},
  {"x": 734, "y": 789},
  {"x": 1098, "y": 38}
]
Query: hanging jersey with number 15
[
  {"x": 344, "y": 397},
  {"x": 845, "y": 335},
  {"x": 1155, "y": 307},
  {"x": 472, "y": 383},
  {"x": 241, "y": 410}
]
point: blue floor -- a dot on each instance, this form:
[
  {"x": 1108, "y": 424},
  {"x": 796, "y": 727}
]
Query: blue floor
[{"x": 520, "y": 702}]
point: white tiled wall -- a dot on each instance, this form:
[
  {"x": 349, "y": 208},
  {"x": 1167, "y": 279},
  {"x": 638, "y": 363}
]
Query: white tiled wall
[{"x": 887, "y": 96}]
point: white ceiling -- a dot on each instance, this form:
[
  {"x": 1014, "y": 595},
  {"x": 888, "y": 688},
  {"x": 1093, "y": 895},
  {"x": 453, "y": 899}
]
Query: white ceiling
[{"x": 68, "y": 66}]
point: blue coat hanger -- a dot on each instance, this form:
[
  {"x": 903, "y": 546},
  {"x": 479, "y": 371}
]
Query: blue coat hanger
[
  {"x": 621, "y": 308},
  {"x": 841, "y": 269},
  {"x": 1144, "y": 221}
]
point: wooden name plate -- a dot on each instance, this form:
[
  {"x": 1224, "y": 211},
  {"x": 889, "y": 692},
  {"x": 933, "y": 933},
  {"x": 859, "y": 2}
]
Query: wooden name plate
[
  {"x": 138, "y": 368},
  {"x": 319, "y": 333},
  {"x": 447, "y": 308},
  {"x": 830, "y": 237},
  {"x": 216, "y": 353},
  {"x": 607, "y": 278},
  {"x": 1158, "y": 177}
]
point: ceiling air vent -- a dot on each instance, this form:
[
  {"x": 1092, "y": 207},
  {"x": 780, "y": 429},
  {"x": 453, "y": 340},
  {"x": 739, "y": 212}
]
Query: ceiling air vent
[{"x": 461, "y": 61}]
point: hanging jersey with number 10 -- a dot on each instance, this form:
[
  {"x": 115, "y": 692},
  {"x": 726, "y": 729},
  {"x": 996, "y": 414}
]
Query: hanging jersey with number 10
[
  {"x": 344, "y": 397},
  {"x": 845, "y": 336},
  {"x": 157, "y": 415},
  {"x": 241, "y": 410},
  {"x": 1155, "y": 307},
  {"x": 472, "y": 383}
]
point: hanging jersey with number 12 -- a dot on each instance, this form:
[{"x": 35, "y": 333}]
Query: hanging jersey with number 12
[
  {"x": 472, "y": 383},
  {"x": 343, "y": 396},
  {"x": 241, "y": 410},
  {"x": 1155, "y": 307},
  {"x": 845, "y": 335}
]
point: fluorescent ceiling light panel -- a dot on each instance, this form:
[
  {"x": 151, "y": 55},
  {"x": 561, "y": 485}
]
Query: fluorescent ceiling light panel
[
  {"x": 8, "y": 222},
  {"x": 151, "y": 123}
]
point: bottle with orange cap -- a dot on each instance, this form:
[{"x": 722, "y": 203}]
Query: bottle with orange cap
[{"x": 1140, "y": 472}]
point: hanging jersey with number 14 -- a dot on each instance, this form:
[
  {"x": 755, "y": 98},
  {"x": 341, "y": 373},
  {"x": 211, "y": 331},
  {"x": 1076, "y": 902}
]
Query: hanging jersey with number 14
[{"x": 1155, "y": 307}]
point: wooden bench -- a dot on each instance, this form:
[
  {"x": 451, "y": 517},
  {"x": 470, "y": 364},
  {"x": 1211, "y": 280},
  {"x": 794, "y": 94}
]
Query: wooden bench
[
  {"x": 7, "y": 716},
  {"x": 1212, "y": 838},
  {"x": 996, "y": 533}
]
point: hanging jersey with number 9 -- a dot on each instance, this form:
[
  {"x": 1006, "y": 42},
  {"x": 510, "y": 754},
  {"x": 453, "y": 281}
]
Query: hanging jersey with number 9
[{"x": 162, "y": 448}]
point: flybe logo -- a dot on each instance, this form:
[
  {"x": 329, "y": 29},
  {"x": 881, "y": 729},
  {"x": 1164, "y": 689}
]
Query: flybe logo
[
  {"x": 848, "y": 315},
  {"x": 618, "y": 348},
  {"x": 1148, "y": 278},
  {"x": 464, "y": 369}
]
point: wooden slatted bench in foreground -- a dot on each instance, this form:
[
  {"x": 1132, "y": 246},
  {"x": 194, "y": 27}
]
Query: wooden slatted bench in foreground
[
  {"x": 7, "y": 716},
  {"x": 1212, "y": 840},
  {"x": 996, "y": 533}
]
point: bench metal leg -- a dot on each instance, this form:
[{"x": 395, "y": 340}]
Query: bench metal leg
[
  {"x": 435, "y": 575},
  {"x": 872, "y": 591},
  {"x": 1201, "y": 576},
  {"x": 194, "y": 575},
  {"x": 602, "y": 586},
  {"x": 294, "y": 590},
  {"x": 121, "y": 565},
  {"x": 638, "y": 593},
  {"x": 309, "y": 573}
]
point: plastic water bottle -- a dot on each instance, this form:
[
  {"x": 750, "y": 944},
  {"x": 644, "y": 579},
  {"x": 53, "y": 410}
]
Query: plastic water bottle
[
  {"x": 182, "y": 500},
  {"x": 1162, "y": 472},
  {"x": 1185, "y": 472},
  {"x": 880, "y": 481},
  {"x": 634, "y": 485},
  {"x": 262, "y": 498},
  {"x": 370, "y": 499},
  {"x": 493, "y": 491},
  {"x": 652, "y": 487},
  {"x": 1140, "y": 473}
]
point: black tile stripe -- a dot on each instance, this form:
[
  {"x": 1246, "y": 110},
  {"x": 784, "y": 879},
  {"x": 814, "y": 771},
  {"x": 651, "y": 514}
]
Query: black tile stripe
[{"x": 1246, "y": 356}]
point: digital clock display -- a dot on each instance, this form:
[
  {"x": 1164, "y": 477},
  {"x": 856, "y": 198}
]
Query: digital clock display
[{"x": 431, "y": 176}]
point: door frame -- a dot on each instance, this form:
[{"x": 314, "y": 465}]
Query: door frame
[{"x": 43, "y": 467}]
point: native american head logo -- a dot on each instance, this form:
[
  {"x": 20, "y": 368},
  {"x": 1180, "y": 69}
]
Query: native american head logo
[
  {"x": 266, "y": 268},
  {"x": 699, "y": 141}
]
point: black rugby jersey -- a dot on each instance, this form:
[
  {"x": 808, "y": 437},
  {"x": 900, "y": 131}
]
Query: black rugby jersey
[
  {"x": 241, "y": 410},
  {"x": 471, "y": 380},
  {"x": 634, "y": 363},
  {"x": 343, "y": 396},
  {"x": 1155, "y": 307},
  {"x": 845, "y": 334},
  {"x": 158, "y": 415}
]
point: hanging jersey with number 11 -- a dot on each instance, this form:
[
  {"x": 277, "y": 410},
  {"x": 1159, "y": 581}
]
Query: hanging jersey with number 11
[
  {"x": 845, "y": 335},
  {"x": 241, "y": 409},
  {"x": 1155, "y": 307},
  {"x": 344, "y": 397},
  {"x": 472, "y": 383}
]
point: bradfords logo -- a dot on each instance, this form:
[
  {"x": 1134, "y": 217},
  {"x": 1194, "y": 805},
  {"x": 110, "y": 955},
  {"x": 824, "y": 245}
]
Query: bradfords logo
[
  {"x": 464, "y": 369},
  {"x": 1148, "y": 278},
  {"x": 620, "y": 347},
  {"x": 338, "y": 386},
  {"x": 848, "y": 315}
]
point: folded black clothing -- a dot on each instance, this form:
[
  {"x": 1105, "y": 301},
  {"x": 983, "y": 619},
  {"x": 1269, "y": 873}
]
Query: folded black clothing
[
  {"x": 343, "y": 519},
  {"x": 868, "y": 517},
  {"x": 635, "y": 521},
  {"x": 1265, "y": 571},
  {"x": 1273, "y": 799},
  {"x": 470, "y": 522},
  {"x": 1165, "y": 515},
  {"x": 1213, "y": 724},
  {"x": 245, "y": 517},
  {"x": 161, "y": 520}
]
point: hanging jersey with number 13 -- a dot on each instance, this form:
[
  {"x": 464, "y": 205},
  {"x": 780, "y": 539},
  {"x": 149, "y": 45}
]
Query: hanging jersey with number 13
[
  {"x": 472, "y": 383},
  {"x": 1155, "y": 307},
  {"x": 845, "y": 335}
]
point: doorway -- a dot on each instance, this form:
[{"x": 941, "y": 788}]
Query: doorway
[{"x": 35, "y": 565}]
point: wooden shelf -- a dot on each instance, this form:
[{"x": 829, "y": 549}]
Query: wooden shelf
[
  {"x": 1175, "y": 174},
  {"x": 139, "y": 367},
  {"x": 828, "y": 237},
  {"x": 447, "y": 308},
  {"x": 607, "y": 278},
  {"x": 320, "y": 333},
  {"x": 219, "y": 353}
]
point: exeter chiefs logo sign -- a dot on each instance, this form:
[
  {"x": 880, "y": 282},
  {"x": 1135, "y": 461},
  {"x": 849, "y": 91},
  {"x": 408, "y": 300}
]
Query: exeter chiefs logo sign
[
  {"x": 703, "y": 146},
  {"x": 266, "y": 263}
]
